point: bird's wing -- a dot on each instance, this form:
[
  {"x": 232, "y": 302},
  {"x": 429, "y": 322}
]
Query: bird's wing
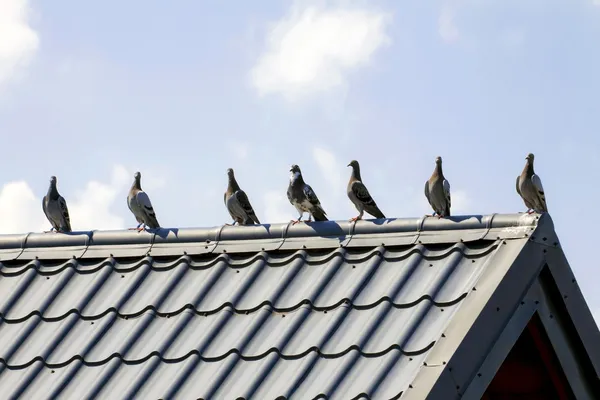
[
  {"x": 242, "y": 198},
  {"x": 427, "y": 190},
  {"x": 311, "y": 196},
  {"x": 447, "y": 192},
  {"x": 518, "y": 190},
  {"x": 62, "y": 204},
  {"x": 44, "y": 207},
  {"x": 362, "y": 194},
  {"x": 144, "y": 202},
  {"x": 537, "y": 183}
]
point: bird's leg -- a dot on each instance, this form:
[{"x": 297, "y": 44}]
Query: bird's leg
[
  {"x": 232, "y": 224},
  {"x": 309, "y": 218},
  {"x": 50, "y": 231},
  {"x": 530, "y": 211},
  {"x": 137, "y": 228},
  {"x": 359, "y": 216},
  {"x": 295, "y": 221}
]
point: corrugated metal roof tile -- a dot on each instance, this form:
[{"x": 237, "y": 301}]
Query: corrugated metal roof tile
[{"x": 158, "y": 315}]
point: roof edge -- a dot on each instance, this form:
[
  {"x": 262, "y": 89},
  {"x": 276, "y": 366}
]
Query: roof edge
[{"x": 163, "y": 241}]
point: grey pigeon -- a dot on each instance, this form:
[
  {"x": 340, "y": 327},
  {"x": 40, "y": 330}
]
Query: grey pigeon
[
  {"x": 529, "y": 187},
  {"x": 55, "y": 208},
  {"x": 140, "y": 205},
  {"x": 303, "y": 197},
  {"x": 237, "y": 203},
  {"x": 437, "y": 191},
  {"x": 359, "y": 195}
]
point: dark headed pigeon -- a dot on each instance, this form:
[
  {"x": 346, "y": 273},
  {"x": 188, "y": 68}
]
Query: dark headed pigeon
[
  {"x": 437, "y": 191},
  {"x": 529, "y": 187},
  {"x": 55, "y": 208},
  {"x": 237, "y": 203},
  {"x": 303, "y": 197},
  {"x": 359, "y": 195},
  {"x": 140, "y": 205}
]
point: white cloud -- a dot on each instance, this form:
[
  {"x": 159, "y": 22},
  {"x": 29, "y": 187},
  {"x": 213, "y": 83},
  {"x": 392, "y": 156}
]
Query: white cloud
[
  {"x": 446, "y": 25},
  {"x": 90, "y": 208},
  {"x": 312, "y": 48},
  {"x": 18, "y": 41}
]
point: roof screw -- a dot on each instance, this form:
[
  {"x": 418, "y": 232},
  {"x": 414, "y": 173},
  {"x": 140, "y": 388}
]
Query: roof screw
[
  {"x": 522, "y": 303},
  {"x": 262, "y": 248},
  {"x": 544, "y": 239},
  {"x": 573, "y": 280},
  {"x": 383, "y": 244},
  {"x": 565, "y": 296},
  {"x": 206, "y": 247},
  {"x": 443, "y": 335},
  {"x": 74, "y": 258},
  {"x": 303, "y": 246},
  {"x": 479, "y": 374},
  {"x": 185, "y": 253},
  {"x": 472, "y": 261},
  {"x": 474, "y": 289},
  {"x": 545, "y": 251},
  {"x": 497, "y": 308},
  {"x": 224, "y": 250},
  {"x": 420, "y": 242},
  {"x": 409, "y": 386},
  {"x": 111, "y": 254},
  {"x": 424, "y": 363},
  {"x": 207, "y": 241},
  {"x": 536, "y": 302},
  {"x": 410, "y": 359},
  {"x": 551, "y": 316},
  {"x": 443, "y": 362},
  {"x": 461, "y": 240},
  {"x": 526, "y": 235}
]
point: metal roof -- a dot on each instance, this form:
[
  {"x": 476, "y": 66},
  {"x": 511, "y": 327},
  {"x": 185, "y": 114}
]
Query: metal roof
[{"x": 339, "y": 310}]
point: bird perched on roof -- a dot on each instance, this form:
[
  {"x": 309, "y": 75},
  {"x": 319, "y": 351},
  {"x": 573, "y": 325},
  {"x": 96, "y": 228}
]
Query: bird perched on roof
[
  {"x": 359, "y": 195},
  {"x": 141, "y": 207},
  {"x": 55, "y": 208},
  {"x": 529, "y": 187},
  {"x": 437, "y": 191},
  {"x": 237, "y": 203},
  {"x": 303, "y": 197}
]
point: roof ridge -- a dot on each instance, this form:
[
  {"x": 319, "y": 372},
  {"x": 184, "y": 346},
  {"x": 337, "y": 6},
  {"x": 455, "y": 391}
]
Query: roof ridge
[{"x": 268, "y": 237}]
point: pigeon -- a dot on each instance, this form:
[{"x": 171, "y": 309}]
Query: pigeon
[
  {"x": 529, "y": 187},
  {"x": 55, "y": 208},
  {"x": 359, "y": 195},
  {"x": 437, "y": 191},
  {"x": 237, "y": 203},
  {"x": 141, "y": 207},
  {"x": 303, "y": 197}
]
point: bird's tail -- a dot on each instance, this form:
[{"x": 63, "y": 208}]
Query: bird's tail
[
  {"x": 374, "y": 211},
  {"x": 319, "y": 214},
  {"x": 153, "y": 222}
]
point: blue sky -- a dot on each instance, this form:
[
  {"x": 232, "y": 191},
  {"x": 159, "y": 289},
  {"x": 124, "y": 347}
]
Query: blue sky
[{"x": 91, "y": 92}]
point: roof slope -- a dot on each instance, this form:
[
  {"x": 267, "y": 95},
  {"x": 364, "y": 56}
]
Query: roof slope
[{"x": 338, "y": 310}]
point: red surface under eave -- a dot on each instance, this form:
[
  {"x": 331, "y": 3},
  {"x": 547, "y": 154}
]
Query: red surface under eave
[{"x": 531, "y": 369}]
